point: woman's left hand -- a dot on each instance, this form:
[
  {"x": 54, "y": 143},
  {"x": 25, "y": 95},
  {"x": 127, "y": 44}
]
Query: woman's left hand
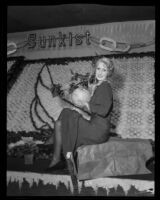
[{"x": 86, "y": 105}]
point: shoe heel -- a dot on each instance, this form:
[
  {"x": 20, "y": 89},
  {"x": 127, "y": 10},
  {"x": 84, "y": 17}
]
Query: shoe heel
[
  {"x": 71, "y": 165},
  {"x": 73, "y": 173},
  {"x": 74, "y": 166}
]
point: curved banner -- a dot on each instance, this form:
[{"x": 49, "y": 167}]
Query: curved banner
[{"x": 85, "y": 40}]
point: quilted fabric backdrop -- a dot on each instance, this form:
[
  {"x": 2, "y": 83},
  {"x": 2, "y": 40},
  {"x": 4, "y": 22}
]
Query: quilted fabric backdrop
[
  {"x": 133, "y": 89},
  {"x": 133, "y": 86}
]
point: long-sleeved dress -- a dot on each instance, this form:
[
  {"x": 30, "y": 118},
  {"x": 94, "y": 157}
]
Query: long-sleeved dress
[{"x": 77, "y": 131}]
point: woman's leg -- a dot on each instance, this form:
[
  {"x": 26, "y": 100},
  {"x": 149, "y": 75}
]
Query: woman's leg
[
  {"x": 65, "y": 135},
  {"x": 57, "y": 147},
  {"x": 50, "y": 140}
]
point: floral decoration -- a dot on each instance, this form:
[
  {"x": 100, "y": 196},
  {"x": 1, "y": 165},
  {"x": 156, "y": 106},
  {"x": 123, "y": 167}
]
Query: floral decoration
[{"x": 18, "y": 144}]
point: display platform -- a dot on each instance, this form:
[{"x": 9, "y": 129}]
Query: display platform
[{"x": 33, "y": 180}]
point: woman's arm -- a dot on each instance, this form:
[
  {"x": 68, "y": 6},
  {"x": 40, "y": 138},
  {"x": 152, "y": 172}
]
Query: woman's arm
[
  {"x": 91, "y": 88},
  {"x": 102, "y": 101},
  {"x": 83, "y": 113}
]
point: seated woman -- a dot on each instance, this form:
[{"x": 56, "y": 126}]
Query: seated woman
[{"x": 72, "y": 129}]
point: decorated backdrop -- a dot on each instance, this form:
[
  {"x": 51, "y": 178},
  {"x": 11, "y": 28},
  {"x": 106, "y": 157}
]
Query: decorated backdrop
[{"x": 132, "y": 84}]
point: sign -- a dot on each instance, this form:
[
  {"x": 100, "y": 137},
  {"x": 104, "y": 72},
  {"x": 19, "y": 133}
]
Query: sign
[{"x": 60, "y": 40}]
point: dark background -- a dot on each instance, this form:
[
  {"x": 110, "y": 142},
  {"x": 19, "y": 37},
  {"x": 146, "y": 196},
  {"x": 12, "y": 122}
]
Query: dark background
[{"x": 29, "y": 17}]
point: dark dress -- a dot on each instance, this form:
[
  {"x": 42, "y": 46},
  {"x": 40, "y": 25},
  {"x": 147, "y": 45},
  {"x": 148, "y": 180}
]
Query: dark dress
[{"x": 77, "y": 131}]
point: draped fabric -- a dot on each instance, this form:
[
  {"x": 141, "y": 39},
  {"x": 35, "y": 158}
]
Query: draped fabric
[
  {"x": 133, "y": 92},
  {"x": 51, "y": 184},
  {"x": 116, "y": 157}
]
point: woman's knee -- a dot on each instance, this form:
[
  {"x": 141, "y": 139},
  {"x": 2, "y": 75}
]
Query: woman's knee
[{"x": 66, "y": 112}]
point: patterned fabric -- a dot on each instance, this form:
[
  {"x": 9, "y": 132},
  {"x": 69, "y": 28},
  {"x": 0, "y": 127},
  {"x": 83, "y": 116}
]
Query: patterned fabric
[
  {"x": 133, "y": 91},
  {"x": 19, "y": 100},
  {"x": 133, "y": 87}
]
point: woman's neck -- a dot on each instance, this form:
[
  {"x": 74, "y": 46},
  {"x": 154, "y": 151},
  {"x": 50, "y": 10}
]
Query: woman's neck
[{"x": 100, "y": 82}]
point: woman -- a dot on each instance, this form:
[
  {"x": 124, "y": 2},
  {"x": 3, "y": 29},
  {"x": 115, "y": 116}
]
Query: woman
[{"x": 73, "y": 130}]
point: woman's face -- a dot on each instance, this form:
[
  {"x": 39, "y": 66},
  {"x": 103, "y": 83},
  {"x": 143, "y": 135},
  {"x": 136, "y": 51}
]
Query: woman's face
[{"x": 101, "y": 71}]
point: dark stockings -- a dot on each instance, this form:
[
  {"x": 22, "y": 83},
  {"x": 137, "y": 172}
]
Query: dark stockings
[{"x": 57, "y": 144}]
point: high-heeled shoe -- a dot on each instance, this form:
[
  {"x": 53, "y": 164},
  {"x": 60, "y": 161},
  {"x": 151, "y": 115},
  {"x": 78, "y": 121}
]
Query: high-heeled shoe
[
  {"x": 73, "y": 172},
  {"x": 59, "y": 166},
  {"x": 71, "y": 165}
]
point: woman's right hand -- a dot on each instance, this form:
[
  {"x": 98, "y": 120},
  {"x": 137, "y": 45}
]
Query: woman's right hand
[
  {"x": 84, "y": 114},
  {"x": 91, "y": 88}
]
